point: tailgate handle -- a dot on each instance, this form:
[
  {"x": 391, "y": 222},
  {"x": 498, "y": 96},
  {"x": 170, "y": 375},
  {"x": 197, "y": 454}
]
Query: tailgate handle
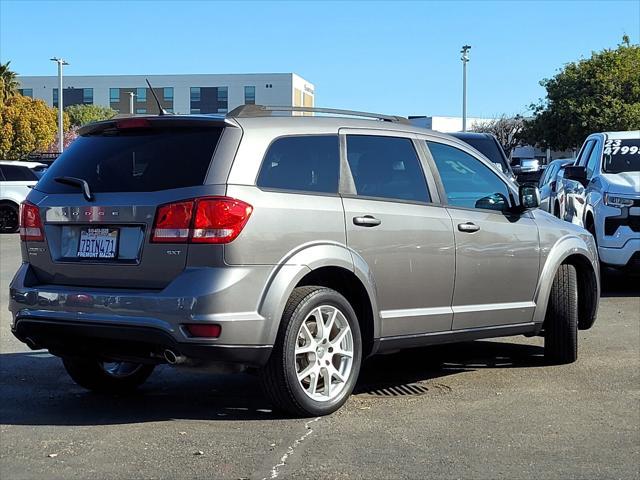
[{"x": 366, "y": 221}]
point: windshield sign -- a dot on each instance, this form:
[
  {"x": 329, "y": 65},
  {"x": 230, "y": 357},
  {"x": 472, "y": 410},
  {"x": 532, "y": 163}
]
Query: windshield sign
[{"x": 621, "y": 156}]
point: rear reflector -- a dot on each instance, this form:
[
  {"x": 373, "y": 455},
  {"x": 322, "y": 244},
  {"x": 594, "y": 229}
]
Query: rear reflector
[
  {"x": 200, "y": 330},
  {"x": 216, "y": 220},
  {"x": 31, "y": 229}
]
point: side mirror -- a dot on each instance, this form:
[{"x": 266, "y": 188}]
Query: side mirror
[
  {"x": 495, "y": 201},
  {"x": 576, "y": 173},
  {"x": 529, "y": 196}
]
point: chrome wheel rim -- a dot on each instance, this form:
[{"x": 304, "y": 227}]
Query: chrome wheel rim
[
  {"x": 324, "y": 353},
  {"x": 120, "y": 369}
]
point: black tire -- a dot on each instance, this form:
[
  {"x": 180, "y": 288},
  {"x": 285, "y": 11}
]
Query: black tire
[
  {"x": 9, "y": 219},
  {"x": 561, "y": 321},
  {"x": 91, "y": 374},
  {"x": 279, "y": 379}
]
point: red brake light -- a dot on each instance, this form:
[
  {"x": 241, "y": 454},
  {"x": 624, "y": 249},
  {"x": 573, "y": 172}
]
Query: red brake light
[
  {"x": 202, "y": 220},
  {"x": 219, "y": 220},
  {"x": 133, "y": 123},
  {"x": 203, "y": 330},
  {"x": 31, "y": 229},
  {"x": 172, "y": 223}
]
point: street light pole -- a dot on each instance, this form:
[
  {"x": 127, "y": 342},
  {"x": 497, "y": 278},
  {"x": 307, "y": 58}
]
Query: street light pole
[
  {"x": 465, "y": 60},
  {"x": 131, "y": 95},
  {"x": 60, "y": 63}
]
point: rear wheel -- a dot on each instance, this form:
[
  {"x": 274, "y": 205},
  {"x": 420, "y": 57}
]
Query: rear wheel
[
  {"x": 9, "y": 221},
  {"x": 561, "y": 321},
  {"x": 316, "y": 359},
  {"x": 107, "y": 377}
]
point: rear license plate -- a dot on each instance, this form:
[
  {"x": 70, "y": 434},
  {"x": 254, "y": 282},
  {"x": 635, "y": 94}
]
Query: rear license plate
[{"x": 98, "y": 243}]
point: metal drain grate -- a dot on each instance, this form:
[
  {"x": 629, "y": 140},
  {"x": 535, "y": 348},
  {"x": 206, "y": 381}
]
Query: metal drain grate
[{"x": 404, "y": 390}]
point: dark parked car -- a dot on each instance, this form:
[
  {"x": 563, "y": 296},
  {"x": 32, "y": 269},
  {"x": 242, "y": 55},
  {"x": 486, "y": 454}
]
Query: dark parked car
[{"x": 489, "y": 146}]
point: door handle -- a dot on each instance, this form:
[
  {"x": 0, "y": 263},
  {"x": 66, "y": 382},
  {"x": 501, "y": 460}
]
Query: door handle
[
  {"x": 366, "y": 221},
  {"x": 468, "y": 227}
]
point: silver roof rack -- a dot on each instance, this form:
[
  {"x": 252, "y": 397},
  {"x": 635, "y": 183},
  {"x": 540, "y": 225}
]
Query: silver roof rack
[{"x": 248, "y": 111}]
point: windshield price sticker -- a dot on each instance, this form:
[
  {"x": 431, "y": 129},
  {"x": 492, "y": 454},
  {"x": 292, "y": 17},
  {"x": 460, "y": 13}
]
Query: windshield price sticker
[{"x": 620, "y": 147}]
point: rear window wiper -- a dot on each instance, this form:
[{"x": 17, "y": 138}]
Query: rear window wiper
[{"x": 77, "y": 182}]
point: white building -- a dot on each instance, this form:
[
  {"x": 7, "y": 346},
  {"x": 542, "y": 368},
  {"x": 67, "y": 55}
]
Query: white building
[
  {"x": 447, "y": 124},
  {"x": 192, "y": 93}
]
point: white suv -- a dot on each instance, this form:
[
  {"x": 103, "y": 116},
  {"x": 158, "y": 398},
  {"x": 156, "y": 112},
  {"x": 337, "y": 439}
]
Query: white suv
[
  {"x": 16, "y": 180},
  {"x": 605, "y": 199}
]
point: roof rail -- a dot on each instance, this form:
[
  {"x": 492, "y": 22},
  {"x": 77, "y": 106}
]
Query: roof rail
[{"x": 248, "y": 111}]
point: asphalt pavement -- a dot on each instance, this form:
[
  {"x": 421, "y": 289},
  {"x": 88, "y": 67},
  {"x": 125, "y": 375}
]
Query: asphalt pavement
[{"x": 480, "y": 410}]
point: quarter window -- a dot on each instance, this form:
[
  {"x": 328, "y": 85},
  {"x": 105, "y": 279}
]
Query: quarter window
[
  {"x": 305, "y": 163},
  {"x": 467, "y": 181},
  {"x": 386, "y": 167}
]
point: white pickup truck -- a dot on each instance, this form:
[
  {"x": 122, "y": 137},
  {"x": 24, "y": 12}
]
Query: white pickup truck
[{"x": 601, "y": 192}]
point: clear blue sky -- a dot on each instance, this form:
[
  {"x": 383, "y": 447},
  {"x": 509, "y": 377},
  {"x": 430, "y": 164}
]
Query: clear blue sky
[{"x": 392, "y": 57}]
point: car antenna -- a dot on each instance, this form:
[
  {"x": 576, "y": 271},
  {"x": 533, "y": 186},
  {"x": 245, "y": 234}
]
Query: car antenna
[{"x": 161, "y": 111}]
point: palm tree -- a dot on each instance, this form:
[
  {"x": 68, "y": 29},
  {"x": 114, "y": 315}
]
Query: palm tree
[{"x": 8, "y": 83}]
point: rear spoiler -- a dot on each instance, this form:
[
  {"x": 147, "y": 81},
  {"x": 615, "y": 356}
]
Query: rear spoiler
[{"x": 165, "y": 121}]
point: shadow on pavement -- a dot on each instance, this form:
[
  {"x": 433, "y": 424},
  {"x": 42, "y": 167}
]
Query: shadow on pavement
[
  {"x": 619, "y": 283},
  {"x": 37, "y": 391}
]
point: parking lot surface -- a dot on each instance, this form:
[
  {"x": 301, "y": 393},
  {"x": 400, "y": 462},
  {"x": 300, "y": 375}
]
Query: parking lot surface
[{"x": 485, "y": 410}]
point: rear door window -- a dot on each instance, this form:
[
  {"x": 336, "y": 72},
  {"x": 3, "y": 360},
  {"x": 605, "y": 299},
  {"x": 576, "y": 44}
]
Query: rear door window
[
  {"x": 305, "y": 163},
  {"x": 135, "y": 160},
  {"x": 15, "y": 173},
  {"x": 386, "y": 167}
]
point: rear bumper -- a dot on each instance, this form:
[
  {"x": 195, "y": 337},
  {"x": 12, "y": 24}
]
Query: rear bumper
[
  {"x": 147, "y": 322},
  {"x": 143, "y": 344}
]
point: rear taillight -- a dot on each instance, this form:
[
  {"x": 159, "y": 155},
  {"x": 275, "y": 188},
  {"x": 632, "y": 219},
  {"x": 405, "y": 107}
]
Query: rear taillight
[
  {"x": 173, "y": 222},
  {"x": 31, "y": 229},
  {"x": 219, "y": 220},
  {"x": 201, "y": 220}
]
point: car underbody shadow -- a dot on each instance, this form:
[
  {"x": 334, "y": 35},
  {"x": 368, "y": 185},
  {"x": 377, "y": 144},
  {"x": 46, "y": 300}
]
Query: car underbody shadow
[{"x": 37, "y": 391}]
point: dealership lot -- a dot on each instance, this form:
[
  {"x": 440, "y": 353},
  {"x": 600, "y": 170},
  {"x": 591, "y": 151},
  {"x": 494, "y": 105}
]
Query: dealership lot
[{"x": 489, "y": 409}]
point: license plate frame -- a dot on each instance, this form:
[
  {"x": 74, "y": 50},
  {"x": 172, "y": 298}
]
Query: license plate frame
[{"x": 98, "y": 243}]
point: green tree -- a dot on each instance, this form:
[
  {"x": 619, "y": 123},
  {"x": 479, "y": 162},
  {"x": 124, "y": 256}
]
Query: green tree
[
  {"x": 600, "y": 93},
  {"x": 80, "y": 115},
  {"x": 8, "y": 83},
  {"x": 27, "y": 125}
]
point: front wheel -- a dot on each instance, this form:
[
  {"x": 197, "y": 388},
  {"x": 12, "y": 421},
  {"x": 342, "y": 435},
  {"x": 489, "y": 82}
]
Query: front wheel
[
  {"x": 107, "y": 377},
  {"x": 561, "y": 321},
  {"x": 316, "y": 358}
]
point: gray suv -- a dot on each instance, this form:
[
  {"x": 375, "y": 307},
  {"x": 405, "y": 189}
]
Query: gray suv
[{"x": 291, "y": 245}]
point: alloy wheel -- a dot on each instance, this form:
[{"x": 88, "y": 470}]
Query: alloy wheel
[{"x": 324, "y": 353}]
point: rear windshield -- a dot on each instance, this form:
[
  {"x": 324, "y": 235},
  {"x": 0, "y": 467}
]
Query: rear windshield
[
  {"x": 135, "y": 160},
  {"x": 489, "y": 148}
]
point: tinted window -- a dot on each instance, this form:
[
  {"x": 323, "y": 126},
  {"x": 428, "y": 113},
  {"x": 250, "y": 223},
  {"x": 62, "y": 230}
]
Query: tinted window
[
  {"x": 584, "y": 154},
  {"x": 467, "y": 181},
  {"x": 14, "y": 173},
  {"x": 386, "y": 167},
  {"x": 309, "y": 163},
  {"x": 490, "y": 149},
  {"x": 135, "y": 160}
]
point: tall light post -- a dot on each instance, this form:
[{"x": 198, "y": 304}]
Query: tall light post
[
  {"x": 60, "y": 63},
  {"x": 131, "y": 95},
  {"x": 465, "y": 60}
]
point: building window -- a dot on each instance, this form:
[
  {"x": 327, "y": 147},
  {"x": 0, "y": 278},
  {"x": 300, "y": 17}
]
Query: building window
[
  {"x": 167, "y": 94},
  {"x": 141, "y": 95},
  {"x": 55, "y": 97},
  {"x": 87, "y": 96},
  {"x": 195, "y": 110},
  {"x": 114, "y": 95},
  {"x": 223, "y": 99},
  {"x": 249, "y": 95},
  {"x": 195, "y": 94},
  {"x": 26, "y": 92},
  {"x": 141, "y": 110}
]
